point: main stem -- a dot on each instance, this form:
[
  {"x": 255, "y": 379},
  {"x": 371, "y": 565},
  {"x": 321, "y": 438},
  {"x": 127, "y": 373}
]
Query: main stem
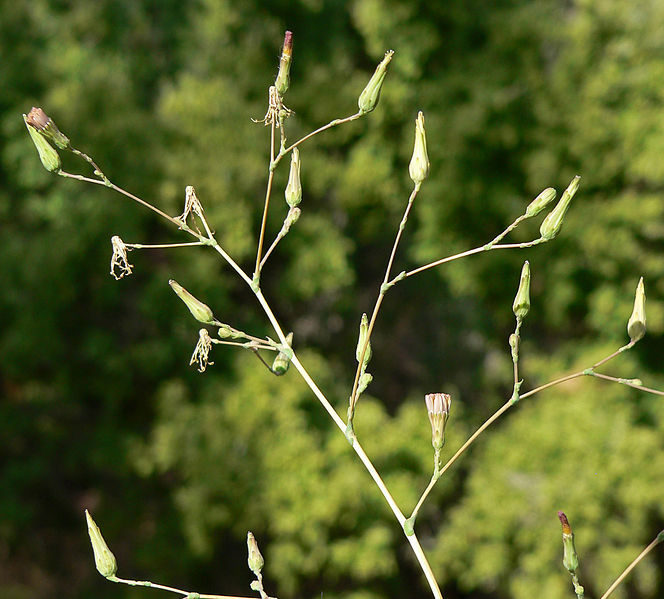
[{"x": 357, "y": 447}]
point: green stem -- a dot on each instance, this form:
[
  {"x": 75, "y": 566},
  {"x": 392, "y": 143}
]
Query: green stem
[
  {"x": 268, "y": 192},
  {"x": 161, "y": 587},
  {"x": 156, "y": 246},
  {"x": 626, "y": 382}
]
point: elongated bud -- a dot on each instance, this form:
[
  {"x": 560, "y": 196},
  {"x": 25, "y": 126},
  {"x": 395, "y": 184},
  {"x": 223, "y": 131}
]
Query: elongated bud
[
  {"x": 282, "y": 361},
  {"x": 198, "y": 309},
  {"x": 364, "y": 332},
  {"x": 255, "y": 559},
  {"x": 283, "y": 77},
  {"x": 438, "y": 408},
  {"x": 636, "y": 327},
  {"x": 104, "y": 559},
  {"x": 521, "y": 303},
  {"x": 48, "y": 155},
  {"x": 541, "y": 202},
  {"x": 553, "y": 222},
  {"x": 38, "y": 119},
  {"x": 369, "y": 97},
  {"x": 293, "y": 191},
  {"x": 419, "y": 163},
  {"x": 570, "y": 558}
]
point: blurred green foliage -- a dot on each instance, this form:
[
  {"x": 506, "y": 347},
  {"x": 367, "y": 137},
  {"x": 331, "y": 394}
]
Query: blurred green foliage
[{"x": 100, "y": 410}]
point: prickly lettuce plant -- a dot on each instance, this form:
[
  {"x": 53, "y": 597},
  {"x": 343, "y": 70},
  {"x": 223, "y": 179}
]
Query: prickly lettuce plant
[{"x": 281, "y": 352}]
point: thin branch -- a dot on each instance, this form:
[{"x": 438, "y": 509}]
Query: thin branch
[
  {"x": 156, "y": 246},
  {"x": 657, "y": 540},
  {"x": 268, "y": 192},
  {"x": 626, "y": 382},
  {"x": 161, "y": 587}
]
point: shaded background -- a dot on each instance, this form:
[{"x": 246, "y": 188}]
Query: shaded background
[{"x": 99, "y": 408}]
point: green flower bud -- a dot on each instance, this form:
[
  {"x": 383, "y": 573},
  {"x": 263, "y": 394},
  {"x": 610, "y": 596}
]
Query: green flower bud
[
  {"x": 291, "y": 218},
  {"x": 293, "y": 191},
  {"x": 44, "y": 125},
  {"x": 104, "y": 559},
  {"x": 369, "y": 97},
  {"x": 553, "y": 222},
  {"x": 636, "y": 327},
  {"x": 200, "y": 311},
  {"x": 283, "y": 77},
  {"x": 419, "y": 163},
  {"x": 49, "y": 157},
  {"x": 541, "y": 202},
  {"x": 365, "y": 381},
  {"x": 255, "y": 559},
  {"x": 438, "y": 408},
  {"x": 364, "y": 332},
  {"x": 282, "y": 361},
  {"x": 570, "y": 558},
  {"x": 521, "y": 303}
]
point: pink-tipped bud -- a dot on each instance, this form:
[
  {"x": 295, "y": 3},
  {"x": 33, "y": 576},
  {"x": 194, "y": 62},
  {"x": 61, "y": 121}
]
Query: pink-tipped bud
[
  {"x": 438, "y": 407},
  {"x": 283, "y": 77}
]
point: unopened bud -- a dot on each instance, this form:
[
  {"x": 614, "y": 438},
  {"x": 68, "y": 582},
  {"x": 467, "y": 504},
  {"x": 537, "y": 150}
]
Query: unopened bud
[
  {"x": 364, "y": 333},
  {"x": 365, "y": 381},
  {"x": 541, "y": 202},
  {"x": 198, "y": 309},
  {"x": 104, "y": 559},
  {"x": 419, "y": 163},
  {"x": 291, "y": 218},
  {"x": 48, "y": 155},
  {"x": 255, "y": 559},
  {"x": 553, "y": 222},
  {"x": 45, "y": 125},
  {"x": 293, "y": 191},
  {"x": 521, "y": 303},
  {"x": 570, "y": 558},
  {"x": 369, "y": 97},
  {"x": 282, "y": 361},
  {"x": 283, "y": 77},
  {"x": 438, "y": 408},
  {"x": 636, "y": 327}
]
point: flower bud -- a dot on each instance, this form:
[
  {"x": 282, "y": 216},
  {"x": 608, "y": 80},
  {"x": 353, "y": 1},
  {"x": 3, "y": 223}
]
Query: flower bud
[
  {"x": 369, "y": 97},
  {"x": 255, "y": 559},
  {"x": 419, "y": 163},
  {"x": 38, "y": 119},
  {"x": 293, "y": 191},
  {"x": 438, "y": 407},
  {"x": 282, "y": 361},
  {"x": 291, "y": 218},
  {"x": 521, "y": 303},
  {"x": 48, "y": 155},
  {"x": 198, "y": 309},
  {"x": 283, "y": 77},
  {"x": 570, "y": 558},
  {"x": 364, "y": 332},
  {"x": 365, "y": 381},
  {"x": 553, "y": 222},
  {"x": 104, "y": 559},
  {"x": 541, "y": 202},
  {"x": 636, "y": 327}
]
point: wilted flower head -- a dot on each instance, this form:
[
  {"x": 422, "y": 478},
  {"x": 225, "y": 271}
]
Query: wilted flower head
[
  {"x": 438, "y": 407},
  {"x": 119, "y": 258},
  {"x": 570, "y": 557},
  {"x": 283, "y": 77},
  {"x": 38, "y": 119},
  {"x": 191, "y": 204},
  {"x": 201, "y": 351}
]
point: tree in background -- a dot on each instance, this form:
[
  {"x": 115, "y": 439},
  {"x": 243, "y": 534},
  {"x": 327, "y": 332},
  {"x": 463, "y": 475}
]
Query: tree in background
[{"x": 518, "y": 97}]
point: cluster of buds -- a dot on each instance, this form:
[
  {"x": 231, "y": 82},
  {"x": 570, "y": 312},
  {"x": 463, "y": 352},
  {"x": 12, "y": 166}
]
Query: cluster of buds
[{"x": 438, "y": 407}]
